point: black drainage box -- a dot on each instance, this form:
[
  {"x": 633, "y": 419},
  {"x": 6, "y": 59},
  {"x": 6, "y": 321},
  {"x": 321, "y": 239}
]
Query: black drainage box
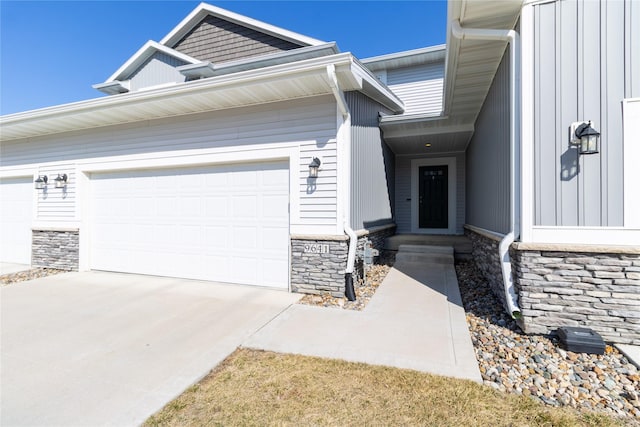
[{"x": 581, "y": 340}]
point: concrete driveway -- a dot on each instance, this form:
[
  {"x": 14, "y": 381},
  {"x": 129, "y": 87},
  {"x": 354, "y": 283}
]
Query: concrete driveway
[{"x": 111, "y": 349}]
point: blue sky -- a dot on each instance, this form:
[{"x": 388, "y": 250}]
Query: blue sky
[{"x": 51, "y": 52}]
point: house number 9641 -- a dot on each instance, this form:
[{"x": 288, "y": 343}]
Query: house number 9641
[{"x": 316, "y": 248}]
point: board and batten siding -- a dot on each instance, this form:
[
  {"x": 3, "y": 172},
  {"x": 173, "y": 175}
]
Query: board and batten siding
[
  {"x": 372, "y": 165},
  {"x": 309, "y": 124},
  {"x": 419, "y": 87},
  {"x": 217, "y": 40},
  {"x": 586, "y": 61},
  {"x": 159, "y": 69},
  {"x": 487, "y": 158},
  {"x": 403, "y": 208}
]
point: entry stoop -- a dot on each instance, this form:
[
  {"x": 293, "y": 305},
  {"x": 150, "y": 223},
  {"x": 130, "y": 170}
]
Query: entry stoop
[
  {"x": 461, "y": 244},
  {"x": 425, "y": 253}
]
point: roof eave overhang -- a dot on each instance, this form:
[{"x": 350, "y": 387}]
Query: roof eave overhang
[
  {"x": 271, "y": 84},
  {"x": 495, "y": 14}
]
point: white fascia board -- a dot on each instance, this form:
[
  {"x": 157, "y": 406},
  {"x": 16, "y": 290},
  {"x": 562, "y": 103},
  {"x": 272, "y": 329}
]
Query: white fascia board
[
  {"x": 412, "y": 118},
  {"x": 201, "y": 69},
  {"x": 391, "y": 132},
  {"x": 143, "y": 54},
  {"x": 112, "y": 88},
  {"x": 417, "y": 56},
  {"x": 204, "y": 9},
  {"x": 65, "y": 113},
  {"x": 268, "y": 60}
]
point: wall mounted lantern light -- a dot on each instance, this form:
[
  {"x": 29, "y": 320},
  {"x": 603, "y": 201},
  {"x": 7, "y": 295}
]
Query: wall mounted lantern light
[
  {"x": 313, "y": 167},
  {"x": 41, "y": 182},
  {"x": 585, "y": 137},
  {"x": 61, "y": 180}
]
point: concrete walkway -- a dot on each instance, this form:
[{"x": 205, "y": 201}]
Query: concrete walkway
[{"x": 414, "y": 321}]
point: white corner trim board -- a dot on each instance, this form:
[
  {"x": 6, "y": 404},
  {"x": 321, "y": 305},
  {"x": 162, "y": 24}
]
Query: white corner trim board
[{"x": 631, "y": 141}]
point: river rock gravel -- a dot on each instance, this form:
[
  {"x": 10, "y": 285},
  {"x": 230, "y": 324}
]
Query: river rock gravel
[
  {"x": 31, "y": 274},
  {"x": 537, "y": 366},
  {"x": 364, "y": 289}
]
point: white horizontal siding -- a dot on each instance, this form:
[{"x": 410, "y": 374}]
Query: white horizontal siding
[
  {"x": 308, "y": 124},
  {"x": 419, "y": 87},
  {"x": 57, "y": 203}
]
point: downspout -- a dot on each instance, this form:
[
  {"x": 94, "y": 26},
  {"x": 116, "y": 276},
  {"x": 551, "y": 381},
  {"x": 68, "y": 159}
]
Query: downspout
[
  {"x": 513, "y": 38},
  {"x": 349, "y": 291}
]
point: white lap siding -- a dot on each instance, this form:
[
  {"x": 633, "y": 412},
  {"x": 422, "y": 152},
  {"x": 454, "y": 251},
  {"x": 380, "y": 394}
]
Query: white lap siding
[{"x": 306, "y": 126}]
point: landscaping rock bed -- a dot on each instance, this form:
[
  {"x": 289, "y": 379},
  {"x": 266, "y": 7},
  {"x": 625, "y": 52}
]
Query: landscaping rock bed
[
  {"x": 537, "y": 366},
  {"x": 364, "y": 289},
  {"x": 31, "y": 274}
]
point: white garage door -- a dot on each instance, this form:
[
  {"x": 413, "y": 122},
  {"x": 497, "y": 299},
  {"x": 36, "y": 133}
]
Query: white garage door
[
  {"x": 16, "y": 207},
  {"x": 223, "y": 223}
]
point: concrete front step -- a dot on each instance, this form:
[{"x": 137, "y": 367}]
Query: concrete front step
[
  {"x": 426, "y": 249},
  {"x": 425, "y": 254},
  {"x": 461, "y": 244}
]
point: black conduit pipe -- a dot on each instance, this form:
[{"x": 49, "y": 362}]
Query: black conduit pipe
[{"x": 348, "y": 287}]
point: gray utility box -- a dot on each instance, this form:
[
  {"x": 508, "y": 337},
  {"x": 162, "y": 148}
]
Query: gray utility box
[{"x": 581, "y": 340}]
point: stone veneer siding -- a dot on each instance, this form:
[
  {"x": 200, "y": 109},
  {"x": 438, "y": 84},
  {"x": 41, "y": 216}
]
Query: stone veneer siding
[
  {"x": 316, "y": 273},
  {"x": 484, "y": 252},
  {"x": 52, "y": 248},
  {"x": 597, "y": 287}
]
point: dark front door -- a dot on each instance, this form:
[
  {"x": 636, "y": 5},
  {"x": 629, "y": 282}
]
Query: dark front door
[{"x": 433, "y": 197}]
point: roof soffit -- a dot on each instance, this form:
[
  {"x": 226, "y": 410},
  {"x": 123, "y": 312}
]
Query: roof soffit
[
  {"x": 471, "y": 64},
  {"x": 271, "y": 84}
]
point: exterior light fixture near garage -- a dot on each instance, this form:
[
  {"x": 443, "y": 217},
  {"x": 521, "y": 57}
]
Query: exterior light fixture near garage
[
  {"x": 585, "y": 137},
  {"x": 41, "y": 182},
  {"x": 61, "y": 180},
  {"x": 314, "y": 166}
]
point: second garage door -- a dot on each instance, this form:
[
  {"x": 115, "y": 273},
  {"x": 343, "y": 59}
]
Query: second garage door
[
  {"x": 224, "y": 223},
  {"x": 16, "y": 198}
]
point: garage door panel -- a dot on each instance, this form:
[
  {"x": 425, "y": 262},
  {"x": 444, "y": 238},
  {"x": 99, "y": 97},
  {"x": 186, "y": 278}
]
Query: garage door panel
[
  {"x": 201, "y": 223},
  {"x": 245, "y": 206},
  {"x": 272, "y": 269},
  {"x": 16, "y": 210},
  {"x": 273, "y": 239}
]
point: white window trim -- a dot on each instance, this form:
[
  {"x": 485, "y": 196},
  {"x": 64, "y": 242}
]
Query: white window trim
[{"x": 415, "y": 188}]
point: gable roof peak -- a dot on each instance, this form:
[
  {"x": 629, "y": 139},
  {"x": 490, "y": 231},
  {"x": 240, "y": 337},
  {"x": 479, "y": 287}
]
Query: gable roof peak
[
  {"x": 205, "y": 9},
  {"x": 148, "y": 49}
]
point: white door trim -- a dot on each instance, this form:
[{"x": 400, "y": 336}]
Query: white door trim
[{"x": 415, "y": 186}]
